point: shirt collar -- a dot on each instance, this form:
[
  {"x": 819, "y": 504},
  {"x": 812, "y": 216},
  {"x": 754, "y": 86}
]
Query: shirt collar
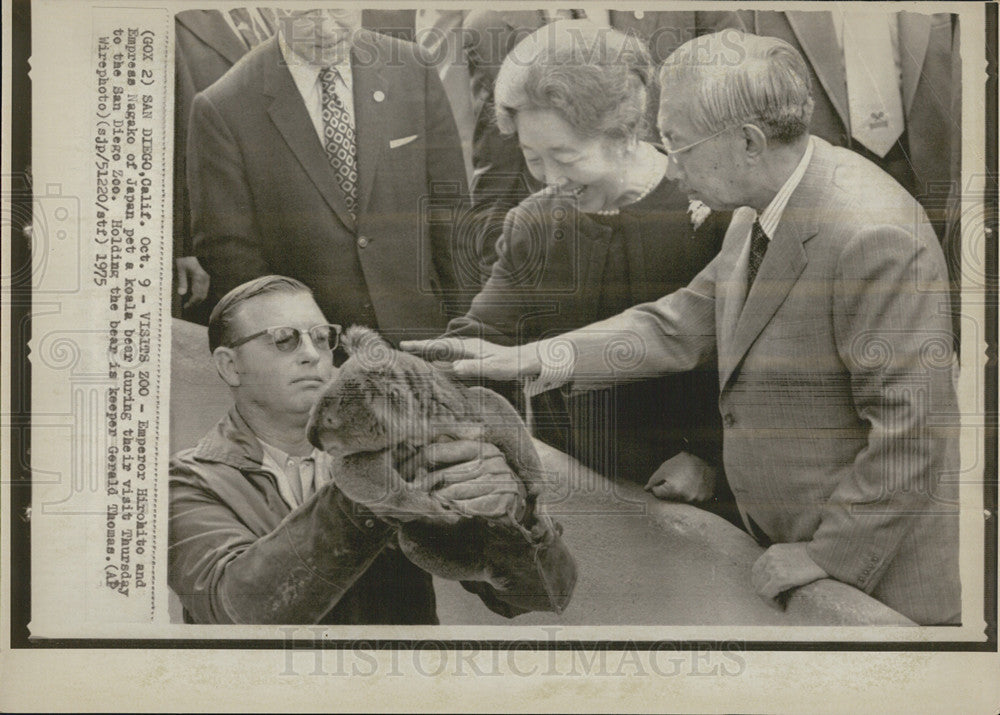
[
  {"x": 280, "y": 456},
  {"x": 232, "y": 442},
  {"x": 770, "y": 217},
  {"x": 306, "y": 75}
]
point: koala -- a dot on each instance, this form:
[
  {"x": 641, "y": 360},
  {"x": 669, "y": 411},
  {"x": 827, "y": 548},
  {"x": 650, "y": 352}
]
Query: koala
[{"x": 375, "y": 415}]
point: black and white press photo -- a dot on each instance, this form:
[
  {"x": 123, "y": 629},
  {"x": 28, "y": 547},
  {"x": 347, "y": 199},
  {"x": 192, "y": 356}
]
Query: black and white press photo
[{"x": 535, "y": 341}]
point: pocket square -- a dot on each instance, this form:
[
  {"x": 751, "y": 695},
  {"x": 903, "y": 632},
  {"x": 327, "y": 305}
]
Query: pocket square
[{"x": 393, "y": 143}]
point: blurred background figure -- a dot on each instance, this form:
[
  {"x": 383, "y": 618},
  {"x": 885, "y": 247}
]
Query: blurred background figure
[
  {"x": 209, "y": 42},
  {"x": 206, "y": 44},
  {"x": 902, "y": 73},
  {"x": 884, "y": 84}
]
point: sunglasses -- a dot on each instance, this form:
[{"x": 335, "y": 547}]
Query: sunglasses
[{"x": 287, "y": 339}]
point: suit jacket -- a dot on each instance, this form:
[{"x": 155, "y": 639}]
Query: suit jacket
[
  {"x": 835, "y": 380},
  {"x": 928, "y": 60},
  {"x": 265, "y": 199},
  {"x": 205, "y": 48}
]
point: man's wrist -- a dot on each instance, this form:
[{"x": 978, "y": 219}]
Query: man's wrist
[{"x": 547, "y": 364}]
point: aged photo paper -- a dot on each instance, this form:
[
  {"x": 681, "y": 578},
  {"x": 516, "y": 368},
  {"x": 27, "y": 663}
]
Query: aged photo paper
[{"x": 107, "y": 374}]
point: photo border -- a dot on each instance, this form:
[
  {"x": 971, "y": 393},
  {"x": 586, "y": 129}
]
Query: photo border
[{"x": 19, "y": 545}]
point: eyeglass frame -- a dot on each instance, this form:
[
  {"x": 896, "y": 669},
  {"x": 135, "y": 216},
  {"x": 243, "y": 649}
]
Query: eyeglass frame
[
  {"x": 692, "y": 145},
  {"x": 337, "y": 329}
]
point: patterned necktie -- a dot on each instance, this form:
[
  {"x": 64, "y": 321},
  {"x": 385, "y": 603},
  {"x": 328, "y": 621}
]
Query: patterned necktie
[
  {"x": 338, "y": 140},
  {"x": 758, "y": 247}
]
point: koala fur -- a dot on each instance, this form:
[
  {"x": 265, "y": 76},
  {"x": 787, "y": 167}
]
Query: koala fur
[{"x": 375, "y": 415}]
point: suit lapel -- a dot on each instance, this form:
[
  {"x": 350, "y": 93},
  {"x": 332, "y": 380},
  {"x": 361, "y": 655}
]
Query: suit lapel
[
  {"x": 782, "y": 265},
  {"x": 370, "y": 84},
  {"x": 732, "y": 287},
  {"x": 816, "y": 34},
  {"x": 288, "y": 112},
  {"x": 209, "y": 27},
  {"x": 914, "y": 36}
]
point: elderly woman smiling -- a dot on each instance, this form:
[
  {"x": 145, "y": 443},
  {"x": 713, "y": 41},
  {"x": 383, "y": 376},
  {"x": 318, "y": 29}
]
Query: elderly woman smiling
[{"x": 607, "y": 232}]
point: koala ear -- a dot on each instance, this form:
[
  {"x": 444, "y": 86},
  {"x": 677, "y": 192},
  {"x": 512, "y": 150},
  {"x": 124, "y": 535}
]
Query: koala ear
[{"x": 367, "y": 347}]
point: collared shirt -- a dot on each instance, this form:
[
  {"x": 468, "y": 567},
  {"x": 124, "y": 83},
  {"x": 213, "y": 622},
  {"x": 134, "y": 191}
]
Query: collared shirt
[
  {"x": 306, "y": 78},
  {"x": 298, "y": 477},
  {"x": 770, "y": 217}
]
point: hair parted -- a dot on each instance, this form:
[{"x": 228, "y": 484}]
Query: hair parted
[
  {"x": 735, "y": 77},
  {"x": 593, "y": 77},
  {"x": 220, "y": 323}
]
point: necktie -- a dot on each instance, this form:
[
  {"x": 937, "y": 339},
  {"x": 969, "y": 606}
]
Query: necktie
[
  {"x": 338, "y": 140},
  {"x": 758, "y": 247},
  {"x": 875, "y": 106}
]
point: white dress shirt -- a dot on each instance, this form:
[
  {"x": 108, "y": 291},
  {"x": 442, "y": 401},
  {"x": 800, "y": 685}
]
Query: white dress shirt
[
  {"x": 770, "y": 217},
  {"x": 306, "y": 78}
]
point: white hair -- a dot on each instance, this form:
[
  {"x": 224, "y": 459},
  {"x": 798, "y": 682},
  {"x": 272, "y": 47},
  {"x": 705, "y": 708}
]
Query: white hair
[{"x": 736, "y": 77}]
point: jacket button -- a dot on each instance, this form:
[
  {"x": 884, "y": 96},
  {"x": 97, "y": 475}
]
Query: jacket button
[
  {"x": 370, "y": 523},
  {"x": 362, "y": 242},
  {"x": 638, "y": 14},
  {"x": 728, "y": 420}
]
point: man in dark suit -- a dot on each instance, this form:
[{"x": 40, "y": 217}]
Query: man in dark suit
[
  {"x": 922, "y": 57},
  {"x": 314, "y": 158},
  {"x": 206, "y": 44}
]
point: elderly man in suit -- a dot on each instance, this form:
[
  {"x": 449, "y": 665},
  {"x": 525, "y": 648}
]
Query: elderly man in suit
[
  {"x": 314, "y": 158},
  {"x": 828, "y": 309}
]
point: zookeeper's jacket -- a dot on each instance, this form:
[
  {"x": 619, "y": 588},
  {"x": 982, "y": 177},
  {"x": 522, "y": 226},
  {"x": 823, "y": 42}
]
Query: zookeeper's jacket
[{"x": 239, "y": 554}]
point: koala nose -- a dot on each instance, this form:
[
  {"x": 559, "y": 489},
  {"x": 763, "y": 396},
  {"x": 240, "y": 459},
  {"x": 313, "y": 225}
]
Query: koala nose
[{"x": 326, "y": 423}]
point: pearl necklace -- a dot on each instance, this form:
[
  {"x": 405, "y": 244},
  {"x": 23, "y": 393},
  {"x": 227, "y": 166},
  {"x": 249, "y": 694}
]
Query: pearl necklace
[{"x": 655, "y": 177}]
